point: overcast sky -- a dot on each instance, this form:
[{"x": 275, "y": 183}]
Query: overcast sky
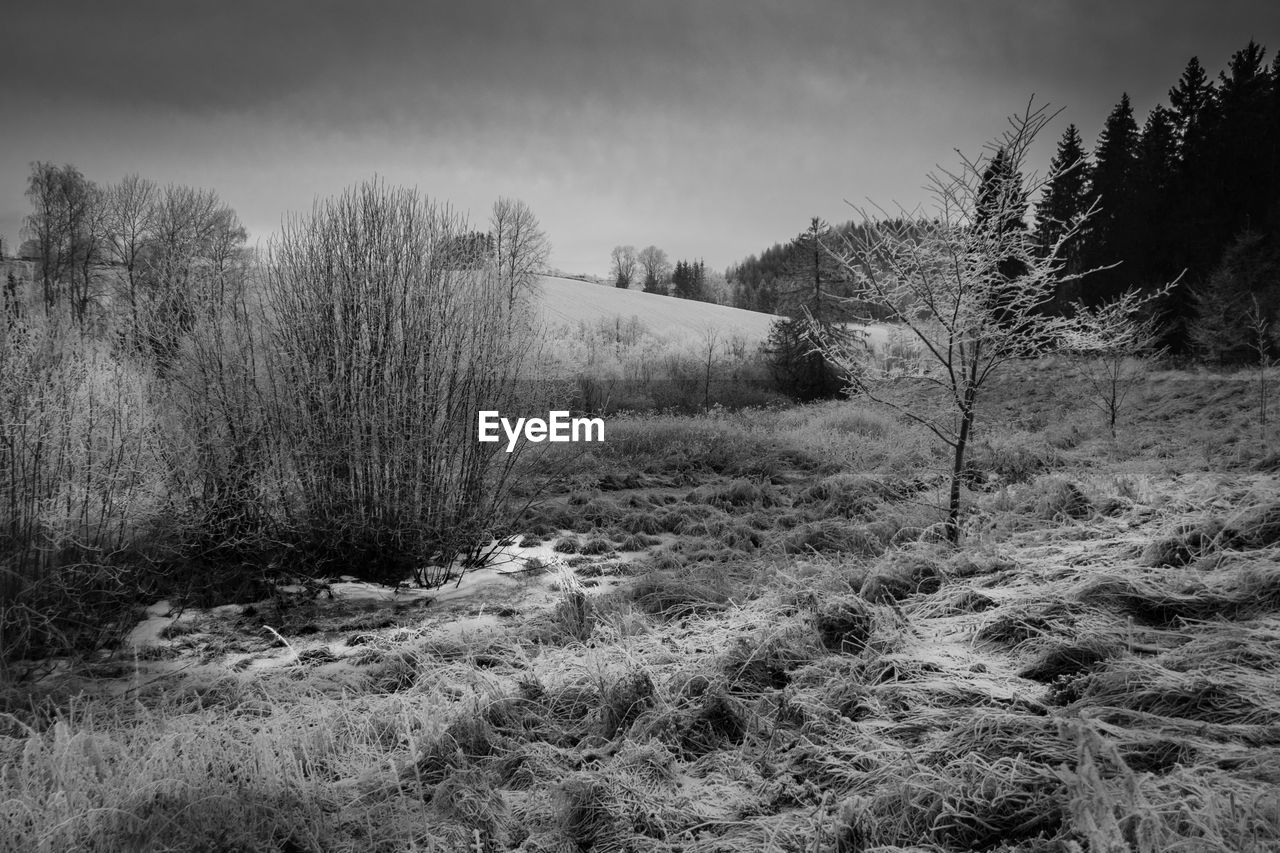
[{"x": 711, "y": 129}]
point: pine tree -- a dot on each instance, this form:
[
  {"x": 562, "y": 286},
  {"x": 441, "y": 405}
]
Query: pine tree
[
  {"x": 1066, "y": 198},
  {"x": 1243, "y": 139},
  {"x": 811, "y": 278},
  {"x": 687, "y": 280},
  {"x": 1151, "y": 200},
  {"x": 999, "y": 210},
  {"x": 1189, "y": 101},
  {"x": 1065, "y": 201},
  {"x": 1109, "y": 238},
  {"x": 799, "y": 367}
]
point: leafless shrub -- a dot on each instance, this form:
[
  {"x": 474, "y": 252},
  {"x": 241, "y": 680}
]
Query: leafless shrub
[{"x": 388, "y": 336}]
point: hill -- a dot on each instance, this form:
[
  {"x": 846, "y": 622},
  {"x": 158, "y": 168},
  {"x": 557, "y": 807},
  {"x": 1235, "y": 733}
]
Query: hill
[{"x": 567, "y": 302}]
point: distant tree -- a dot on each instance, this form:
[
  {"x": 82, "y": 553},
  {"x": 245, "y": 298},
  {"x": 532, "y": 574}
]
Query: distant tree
[
  {"x": 472, "y": 250},
  {"x": 66, "y": 226},
  {"x": 195, "y": 261},
  {"x": 1220, "y": 330},
  {"x": 1116, "y": 339},
  {"x": 798, "y": 362},
  {"x": 519, "y": 245},
  {"x": 657, "y": 269},
  {"x": 682, "y": 280},
  {"x": 688, "y": 280},
  {"x": 130, "y": 211},
  {"x": 806, "y": 284},
  {"x": 624, "y": 265}
]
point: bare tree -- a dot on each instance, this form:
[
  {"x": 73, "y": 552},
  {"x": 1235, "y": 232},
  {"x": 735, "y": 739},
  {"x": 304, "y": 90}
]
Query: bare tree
[
  {"x": 88, "y": 250},
  {"x": 130, "y": 211},
  {"x": 624, "y": 265},
  {"x": 520, "y": 247},
  {"x": 1261, "y": 342},
  {"x": 968, "y": 283},
  {"x": 194, "y": 240},
  {"x": 657, "y": 269},
  {"x": 1113, "y": 337},
  {"x": 707, "y": 347},
  {"x": 66, "y": 226}
]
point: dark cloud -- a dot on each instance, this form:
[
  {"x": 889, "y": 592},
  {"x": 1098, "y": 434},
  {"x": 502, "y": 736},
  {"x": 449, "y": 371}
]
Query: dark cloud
[{"x": 716, "y": 126}]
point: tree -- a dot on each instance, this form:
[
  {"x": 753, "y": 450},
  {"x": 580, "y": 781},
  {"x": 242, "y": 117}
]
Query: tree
[
  {"x": 520, "y": 247},
  {"x": 1190, "y": 99},
  {"x": 1109, "y": 236},
  {"x": 938, "y": 273},
  {"x": 657, "y": 269},
  {"x": 809, "y": 276},
  {"x": 688, "y": 280},
  {"x": 191, "y": 264},
  {"x": 624, "y": 265},
  {"x": 798, "y": 360},
  {"x": 1000, "y": 208},
  {"x": 1250, "y": 269},
  {"x": 1065, "y": 200},
  {"x": 1152, "y": 196},
  {"x": 66, "y": 226},
  {"x": 1066, "y": 196},
  {"x": 130, "y": 210},
  {"x": 1111, "y": 337}
]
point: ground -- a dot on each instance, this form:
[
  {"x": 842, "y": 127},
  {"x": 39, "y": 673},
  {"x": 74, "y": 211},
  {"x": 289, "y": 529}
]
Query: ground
[{"x": 737, "y": 631}]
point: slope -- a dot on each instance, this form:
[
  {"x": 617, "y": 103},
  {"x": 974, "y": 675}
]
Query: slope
[{"x": 568, "y": 302}]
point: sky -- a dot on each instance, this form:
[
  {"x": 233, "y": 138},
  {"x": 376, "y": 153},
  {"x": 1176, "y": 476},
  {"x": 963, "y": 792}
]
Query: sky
[{"x": 710, "y": 128}]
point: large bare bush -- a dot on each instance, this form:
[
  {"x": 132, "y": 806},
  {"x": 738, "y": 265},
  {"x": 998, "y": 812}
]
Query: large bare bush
[
  {"x": 387, "y": 339},
  {"x": 81, "y": 476}
]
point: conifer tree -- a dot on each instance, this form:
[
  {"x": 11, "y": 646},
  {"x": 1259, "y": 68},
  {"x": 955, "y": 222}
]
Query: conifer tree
[
  {"x": 1189, "y": 101},
  {"x": 1064, "y": 202},
  {"x": 1109, "y": 238},
  {"x": 1151, "y": 198},
  {"x": 1066, "y": 197}
]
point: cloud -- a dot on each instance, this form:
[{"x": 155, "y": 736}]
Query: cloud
[{"x": 711, "y": 125}]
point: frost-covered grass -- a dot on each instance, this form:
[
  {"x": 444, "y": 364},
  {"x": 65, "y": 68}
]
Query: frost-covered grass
[{"x": 796, "y": 662}]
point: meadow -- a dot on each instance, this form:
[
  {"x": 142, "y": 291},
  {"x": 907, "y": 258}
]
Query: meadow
[{"x": 736, "y": 631}]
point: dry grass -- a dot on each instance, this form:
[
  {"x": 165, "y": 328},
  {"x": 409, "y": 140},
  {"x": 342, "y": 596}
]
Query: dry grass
[{"x": 1095, "y": 669}]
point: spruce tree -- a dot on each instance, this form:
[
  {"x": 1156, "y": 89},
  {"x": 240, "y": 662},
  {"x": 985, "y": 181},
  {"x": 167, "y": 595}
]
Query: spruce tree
[
  {"x": 1000, "y": 209},
  {"x": 1066, "y": 197},
  {"x": 1194, "y": 110},
  {"x": 1151, "y": 199},
  {"x": 1064, "y": 201},
  {"x": 1189, "y": 101},
  {"x": 1243, "y": 139},
  {"x": 1109, "y": 238}
]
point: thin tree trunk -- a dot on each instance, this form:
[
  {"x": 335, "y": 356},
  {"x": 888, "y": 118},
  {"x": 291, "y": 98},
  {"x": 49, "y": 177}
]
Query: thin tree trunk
[{"x": 957, "y": 469}]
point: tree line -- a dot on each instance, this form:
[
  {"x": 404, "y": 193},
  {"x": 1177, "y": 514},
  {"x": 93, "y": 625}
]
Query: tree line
[
  {"x": 1194, "y": 193},
  {"x": 652, "y": 268}
]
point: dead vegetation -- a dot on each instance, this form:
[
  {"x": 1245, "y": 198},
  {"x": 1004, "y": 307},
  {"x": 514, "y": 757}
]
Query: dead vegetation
[{"x": 792, "y": 664}]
